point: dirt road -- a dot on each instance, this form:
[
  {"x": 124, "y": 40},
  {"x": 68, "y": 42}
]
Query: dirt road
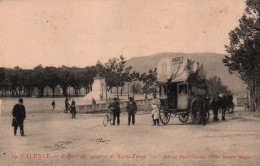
[{"x": 52, "y": 138}]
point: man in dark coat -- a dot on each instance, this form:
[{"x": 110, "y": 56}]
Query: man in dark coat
[
  {"x": 18, "y": 116},
  {"x": 203, "y": 110},
  {"x": 53, "y": 104},
  {"x": 222, "y": 100},
  {"x": 115, "y": 107},
  {"x": 215, "y": 108},
  {"x": 73, "y": 109},
  {"x": 131, "y": 109}
]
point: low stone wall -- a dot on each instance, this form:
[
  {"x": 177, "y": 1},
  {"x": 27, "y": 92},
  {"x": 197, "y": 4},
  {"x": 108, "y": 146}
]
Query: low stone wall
[{"x": 141, "y": 106}]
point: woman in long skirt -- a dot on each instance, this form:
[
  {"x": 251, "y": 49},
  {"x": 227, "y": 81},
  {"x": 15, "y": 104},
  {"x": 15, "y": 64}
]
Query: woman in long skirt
[{"x": 155, "y": 109}]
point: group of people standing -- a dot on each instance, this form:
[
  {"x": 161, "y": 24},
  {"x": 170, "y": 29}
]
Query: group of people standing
[
  {"x": 132, "y": 110},
  {"x": 71, "y": 107},
  {"x": 19, "y": 113}
]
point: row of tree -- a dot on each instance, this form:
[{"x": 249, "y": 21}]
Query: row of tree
[
  {"x": 244, "y": 51},
  {"x": 18, "y": 81}
]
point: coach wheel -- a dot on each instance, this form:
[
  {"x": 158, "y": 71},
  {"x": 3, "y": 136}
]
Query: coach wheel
[
  {"x": 183, "y": 117},
  {"x": 110, "y": 118},
  {"x": 195, "y": 111},
  {"x": 105, "y": 120},
  {"x": 164, "y": 116}
]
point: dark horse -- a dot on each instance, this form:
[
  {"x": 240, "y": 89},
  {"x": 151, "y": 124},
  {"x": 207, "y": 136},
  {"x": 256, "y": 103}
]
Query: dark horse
[{"x": 223, "y": 103}]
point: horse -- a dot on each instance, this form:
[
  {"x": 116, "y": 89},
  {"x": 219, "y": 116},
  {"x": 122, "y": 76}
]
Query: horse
[
  {"x": 225, "y": 104},
  {"x": 222, "y": 103}
]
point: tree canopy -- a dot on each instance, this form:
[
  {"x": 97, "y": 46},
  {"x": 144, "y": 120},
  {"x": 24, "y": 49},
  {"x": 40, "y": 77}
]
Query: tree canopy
[{"x": 244, "y": 49}]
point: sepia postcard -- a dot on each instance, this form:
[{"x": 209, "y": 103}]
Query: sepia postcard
[{"x": 130, "y": 82}]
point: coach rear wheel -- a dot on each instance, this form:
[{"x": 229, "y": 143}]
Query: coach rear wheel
[
  {"x": 195, "y": 111},
  {"x": 183, "y": 117},
  {"x": 164, "y": 116}
]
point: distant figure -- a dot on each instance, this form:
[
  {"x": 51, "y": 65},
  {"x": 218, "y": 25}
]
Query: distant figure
[
  {"x": 247, "y": 107},
  {"x": 66, "y": 105},
  {"x": 53, "y": 104},
  {"x": 115, "y": 107},
  {"x": 19, "y": 116},
  {"x": 131, "y": 109},
  {"x": 155, "y": 109},
  {"x": 73, "y": 109},
  {"x": 94, "y": 101}
]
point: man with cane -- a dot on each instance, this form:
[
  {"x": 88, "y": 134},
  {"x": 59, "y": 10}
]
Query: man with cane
[{"x": 18, "y": 116}]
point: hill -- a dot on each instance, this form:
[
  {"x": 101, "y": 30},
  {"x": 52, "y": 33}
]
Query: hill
[{"x": 212, "y": 64}]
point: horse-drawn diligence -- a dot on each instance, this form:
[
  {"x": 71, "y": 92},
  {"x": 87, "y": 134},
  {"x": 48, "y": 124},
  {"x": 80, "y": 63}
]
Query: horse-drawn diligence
[{"x": 182, "y": 90}]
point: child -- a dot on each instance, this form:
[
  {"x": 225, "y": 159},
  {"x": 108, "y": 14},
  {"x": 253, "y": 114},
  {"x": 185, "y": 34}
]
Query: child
[{"x": 53, "y": 104}]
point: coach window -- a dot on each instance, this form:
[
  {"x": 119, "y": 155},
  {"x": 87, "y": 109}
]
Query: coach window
[{"x": 182, "y": 89}]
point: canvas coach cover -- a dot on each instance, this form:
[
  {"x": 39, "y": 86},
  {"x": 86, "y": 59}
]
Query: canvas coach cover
[{"x": 179, "y": 69}]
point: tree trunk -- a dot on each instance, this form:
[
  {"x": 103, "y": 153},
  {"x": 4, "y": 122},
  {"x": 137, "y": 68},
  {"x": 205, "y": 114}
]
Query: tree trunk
[
  {"x": 42, "y": 90},
  {"x": 75, "y": 91},
  {"x": 64, "y": 92},
  {"x": 133, "y": 90},
  {"x": 122, "y": 90},
  {"x": 53, "y": 92},
  {"x": 252, "y": 96}
]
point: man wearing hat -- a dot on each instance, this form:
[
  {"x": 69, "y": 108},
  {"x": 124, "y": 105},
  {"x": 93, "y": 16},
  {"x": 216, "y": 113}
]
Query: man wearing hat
[
  {"x": 116, "y": 111},
  {"x": 131, "y": 109},
  {"x": 18, "y": 116}
]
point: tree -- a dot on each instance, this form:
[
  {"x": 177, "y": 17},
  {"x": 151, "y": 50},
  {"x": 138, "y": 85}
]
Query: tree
[
  {"x": 28, "y": 82},
  {"x": 64, "y": 78},
  {"x": 244, "y": 50},
  {"x": 39, "y": 78},
  {"x": 149, "y": 80},
  {"x": 52, "y": 78},
  {"x": 133, "y": 77},
  {"x": 2, "y": 78},
  {"x": 89, "y": 74},
  {"x": 116, "y": 73},
  {"x": 215, "y": 87},
  {"x": 16, "y": 77},
  {"x": 77, "y": 79}
]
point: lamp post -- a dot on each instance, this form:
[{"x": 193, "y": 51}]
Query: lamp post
[
  {"x": 102, "y": 92},
  {"x": 106, "y": 92},
  {"x": 128, "y": 90}
]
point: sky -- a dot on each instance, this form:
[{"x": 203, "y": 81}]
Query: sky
[{"x": 81, "y": 32}]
